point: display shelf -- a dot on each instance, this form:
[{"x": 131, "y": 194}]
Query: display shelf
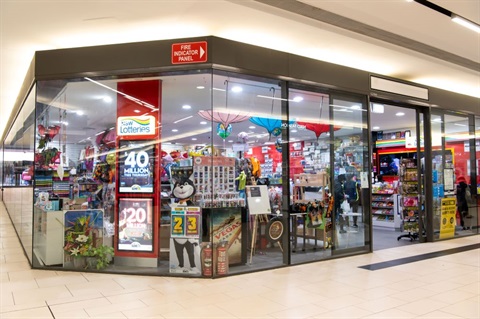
[
  {"x": 214, "y": 179},
  {"x": 384, "y": 210},
  {"x": 409, "y": 201}
]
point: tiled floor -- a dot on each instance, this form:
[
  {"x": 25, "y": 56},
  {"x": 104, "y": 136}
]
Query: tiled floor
[{"x": 441, "y": 287}]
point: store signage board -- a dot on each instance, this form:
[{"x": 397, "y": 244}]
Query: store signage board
[
  {"x": 189, "y": 52},
  {"x": 258, "y": 201},
  {"x": 136, "y": 125},
  {"x": 135, "y": 224}
]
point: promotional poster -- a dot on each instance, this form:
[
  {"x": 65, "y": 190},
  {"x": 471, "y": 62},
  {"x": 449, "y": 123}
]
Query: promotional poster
[
  {"x": 185, "y": 240},
  {"x": 227, "y": 228},
  {"x": 135, "y": 224},
  {"x": 136, "y": 164}
]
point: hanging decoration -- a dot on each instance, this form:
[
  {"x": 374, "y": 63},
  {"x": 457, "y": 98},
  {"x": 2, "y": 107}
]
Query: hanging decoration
[
  {"x": 46, "y": 156},
  {"x": 273, "y": 126},
  {"x": 319, "y": 128},
  {"x": 224, "y": 131},
  {"x": 224, "y": 116},
  {"x": 278, "y": 144}
]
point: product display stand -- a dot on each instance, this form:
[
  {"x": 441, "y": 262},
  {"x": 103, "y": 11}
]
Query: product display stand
[{"x": 410, "y": 199}]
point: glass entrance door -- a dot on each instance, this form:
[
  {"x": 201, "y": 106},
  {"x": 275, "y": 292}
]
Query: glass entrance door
[{"x": 398, "y": 163}]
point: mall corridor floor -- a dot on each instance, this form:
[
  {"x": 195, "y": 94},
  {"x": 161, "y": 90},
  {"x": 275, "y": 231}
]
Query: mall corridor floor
[{"x": 431, "y": 280}]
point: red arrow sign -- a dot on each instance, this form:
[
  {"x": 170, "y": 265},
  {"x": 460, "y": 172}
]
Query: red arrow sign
[{"x": 190, "y": 52}]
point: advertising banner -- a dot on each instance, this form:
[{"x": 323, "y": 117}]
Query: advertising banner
[
  {"x": 186, "y": 223},
  {"x": 449, "y": 219},
  {"x": 135, "y": 221},
  {"x": 136, "y": 167}
]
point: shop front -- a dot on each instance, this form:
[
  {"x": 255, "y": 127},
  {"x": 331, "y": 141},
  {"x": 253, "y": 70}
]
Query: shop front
[{"x": 200, "y": 161}]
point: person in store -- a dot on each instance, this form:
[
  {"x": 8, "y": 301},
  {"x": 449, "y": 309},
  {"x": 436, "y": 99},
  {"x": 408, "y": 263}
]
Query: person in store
[
  {"x": 352, "y": 190},
  {"x": 339, "y": 197},
  {"x": 462, "y": 205}
]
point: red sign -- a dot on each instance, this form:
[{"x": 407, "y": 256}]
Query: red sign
[{"x": 190, "y": 52}]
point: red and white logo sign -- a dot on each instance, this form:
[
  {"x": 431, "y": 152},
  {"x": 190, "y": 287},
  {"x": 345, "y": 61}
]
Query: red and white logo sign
[{"x": 189, "y": 52}]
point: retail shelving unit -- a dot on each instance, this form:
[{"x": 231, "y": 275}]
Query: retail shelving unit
[
  {"x": 384, "y": 210},
  {"x": 409, "y": 201}
]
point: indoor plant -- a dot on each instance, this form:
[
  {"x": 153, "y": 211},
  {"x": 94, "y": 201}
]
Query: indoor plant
[{"x": 103, "y": 256}]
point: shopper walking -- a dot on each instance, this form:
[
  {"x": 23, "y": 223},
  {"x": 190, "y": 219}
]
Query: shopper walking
[
  {"x": 352, "y": 191},
  {"x": 462, "y": 205}
]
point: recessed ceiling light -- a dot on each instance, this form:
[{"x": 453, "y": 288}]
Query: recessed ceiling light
[
  {"x": 293, "y": 131},
  {"x": 107, "y": 99},
  {"x": 136, "y": 111},
  {"x": 200, "y": 87},
  {"x": 186, "y": 107},
  {"x": 400, "y": 114},
  {"x": 174, "y": 130},
  {"x": 80, "y": 113},
  {"x": 237, "y": 89},
  {"x": 194, "y": 138},
  {"x": 297, "y": 99},
  {"x": 251, "y": 127},
  {"x": 203, "y": 122},
  {"x": 376, "y": 127}
]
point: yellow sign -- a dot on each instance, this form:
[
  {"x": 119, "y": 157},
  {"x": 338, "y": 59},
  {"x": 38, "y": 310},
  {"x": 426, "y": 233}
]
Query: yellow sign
[{"x": 449, "y": 218}]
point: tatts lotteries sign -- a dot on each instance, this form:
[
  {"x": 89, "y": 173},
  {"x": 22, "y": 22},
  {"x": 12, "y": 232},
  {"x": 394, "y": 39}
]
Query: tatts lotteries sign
[{"x": 136, "y": 126}]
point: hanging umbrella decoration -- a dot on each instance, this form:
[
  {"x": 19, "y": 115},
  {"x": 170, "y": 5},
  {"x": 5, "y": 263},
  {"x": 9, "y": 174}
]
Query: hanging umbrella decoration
[
  {"x": 318, "y": 128},
  {"x": 273, "y": 126},
  {"x": 225, "y": 119}
]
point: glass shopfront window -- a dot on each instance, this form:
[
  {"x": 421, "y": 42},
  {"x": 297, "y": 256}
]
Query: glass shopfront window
[
  {"x": 350, "y": 151},
  {"x": 175, "y": 173},
  {"x": 454, "y": 187},
  {"x": 326, "y": 213},
  {"x": 18, "y": 153}
]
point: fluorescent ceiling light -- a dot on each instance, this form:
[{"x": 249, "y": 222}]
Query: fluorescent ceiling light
[
  {"x": 185, "y": 118},
  {"x": 466, "y": 23},
  {"x": 200, "y": 87},
  {"x": 376, "y": 127},
  {"x": 186, "y": 107},
  {"x": 400, "y": 114}
]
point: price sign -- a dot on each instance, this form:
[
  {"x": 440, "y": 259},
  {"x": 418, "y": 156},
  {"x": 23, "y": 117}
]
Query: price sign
[
  {"x": 186, "y": 222},
  {"x": 178, "y": 224},
  {"x": 136, "y": 162}
]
